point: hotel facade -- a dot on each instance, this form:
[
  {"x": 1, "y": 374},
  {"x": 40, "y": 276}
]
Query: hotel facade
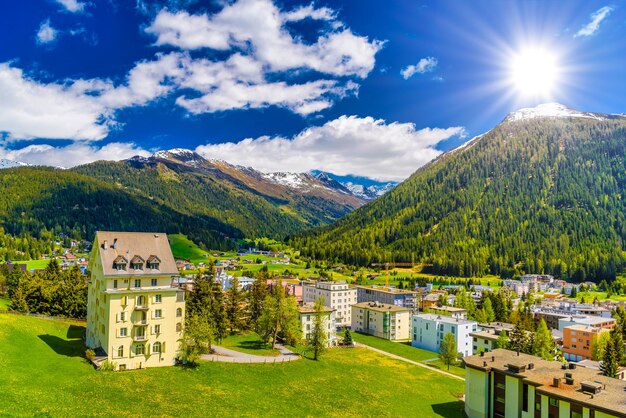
[{"x": 134, "y": 314}]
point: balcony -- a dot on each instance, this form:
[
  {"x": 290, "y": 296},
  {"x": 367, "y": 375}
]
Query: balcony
[
  {"x": 143, "y": 337},
  {"x": 141, "y": 307},
  {"x": 140, "y": 322}
]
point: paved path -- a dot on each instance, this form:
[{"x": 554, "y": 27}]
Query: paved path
[
  {"x": 385, "y": 353},
  {"x": 231, "y": 356}
]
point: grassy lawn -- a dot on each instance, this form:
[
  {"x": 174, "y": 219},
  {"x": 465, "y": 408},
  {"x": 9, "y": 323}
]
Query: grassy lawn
[
  {"x": 42, "y": 373},
  {"x": 407, "y": 351},
  {"x": 184, "y": 248},
  {"x": 34, "y": 264},
  {"x": 249, "y": 343},
  {"x": 4, "y": 303}
]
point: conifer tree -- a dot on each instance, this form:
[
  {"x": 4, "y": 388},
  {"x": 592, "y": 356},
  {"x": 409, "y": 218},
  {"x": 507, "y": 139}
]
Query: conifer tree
[
  {"x": 448, "y": 352},
  {"x": 234, "y": 310},
  {"x": 256, "y": 298},
  {"x": 490, "y": 315},
  {"x": 543, "y": 344},
  {"x": 318, "y": 337},
  {"x": 502, "y": 341}
]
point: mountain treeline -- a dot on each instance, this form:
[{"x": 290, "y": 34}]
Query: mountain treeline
[
  {"x": 36, "y": 204},
  {"x": 534, "y": 196}
]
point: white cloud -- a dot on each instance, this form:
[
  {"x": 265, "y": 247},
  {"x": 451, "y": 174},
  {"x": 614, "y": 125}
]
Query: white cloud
[
  {"x": 46, "y": 33},
  {"x": 79, "y": 109},
  {"x": 425, "y": 65},
  {"x": 72, "y": 155},
  {"x": 73, "y": 6},
  {"x": 309, "y": 12},
  {"x": 258, "y": 27},
  {"x": 348, "y": 145},
  {"x": 239, "y": 83},
  {"x": 596, "y": 18}
]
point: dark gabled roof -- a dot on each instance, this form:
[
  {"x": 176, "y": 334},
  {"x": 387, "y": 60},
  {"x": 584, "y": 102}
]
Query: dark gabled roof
[
  {"x": 153, "y": 259},
  {"x": 120, "y": 259},
  {"x": 137, "y": 259}
]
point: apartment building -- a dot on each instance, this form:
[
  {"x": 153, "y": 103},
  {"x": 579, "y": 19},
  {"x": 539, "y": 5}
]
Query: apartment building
[
  {"x": 587, "y": 320},
  {"x": 488, "y": 333},
  {"x": 578, "y": 341},
  {"x": 388, "y": 295},
  {"x": 382, "y": 320},
  {"x": 307, "y": 321},
  {"x": 337, "y": 295},
  {"x": 506, "y": 384},
  {"x": 430, "y": 329},
  {"x": 134, "y": 313}
]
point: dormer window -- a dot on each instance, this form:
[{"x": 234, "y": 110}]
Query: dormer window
[
  {"x": 120, "y": 263},
  {"x": 137, "y": 263},
  {"x": 153, "y": 262}
]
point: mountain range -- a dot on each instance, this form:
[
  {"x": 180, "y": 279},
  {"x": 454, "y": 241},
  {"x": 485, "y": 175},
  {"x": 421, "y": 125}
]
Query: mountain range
[{"x": 541, "y": 192}]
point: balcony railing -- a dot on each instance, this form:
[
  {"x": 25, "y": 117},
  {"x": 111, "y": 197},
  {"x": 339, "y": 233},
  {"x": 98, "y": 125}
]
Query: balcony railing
[
  {"x": 141, "y": 307},
  {"x": 140, "y": 337},
  {"x": 140, "y": 322}
]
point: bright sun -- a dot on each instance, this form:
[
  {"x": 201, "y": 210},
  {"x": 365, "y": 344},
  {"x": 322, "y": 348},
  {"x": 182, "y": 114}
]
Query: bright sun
[{"x": 534, "y": 72}]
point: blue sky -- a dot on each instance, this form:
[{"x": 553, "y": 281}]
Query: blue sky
[{"x": 373, "y": 89}]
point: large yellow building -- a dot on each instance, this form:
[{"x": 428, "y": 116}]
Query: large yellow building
[{"x": 134, "y": 313}]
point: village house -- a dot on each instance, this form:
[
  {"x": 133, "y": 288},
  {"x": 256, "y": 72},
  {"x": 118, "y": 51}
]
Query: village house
[
  {"x": 382, "y": 320},
  {"x": 307, "y": 322},
  {"x": 389, "y": 295},
  {"x": 337, "y": 295},
  {"x": 506, "y": 383},
  {"x": 430, "y": 329},
  {"x": 134, "y": 313}
]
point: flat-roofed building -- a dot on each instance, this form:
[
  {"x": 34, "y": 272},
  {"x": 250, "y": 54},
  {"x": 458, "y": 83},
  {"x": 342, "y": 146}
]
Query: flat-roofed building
[
  {"x": 382, "y": 320},
  {"x": 450, "y": 311},
  {"x": 587, "y": 320},
  {"x": 307, "y": 322},
  {"x": 578, "y": 341},
  {"x": 337, "y": 295},
  {"x": 430, "y": 329},
  {"x": 135, "y": 310},
  {"x": 388, "y": 295},
  {"x": 503, "y": 384}
]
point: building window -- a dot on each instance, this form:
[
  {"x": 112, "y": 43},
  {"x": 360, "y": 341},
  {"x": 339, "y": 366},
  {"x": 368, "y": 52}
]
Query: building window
[
  {"x": 121, "y": 367},
  {"x": 525, "y": 398},
  {"x": 156, "y": 347},
  {"x": 120, "y": 351},
  {"x": 554, "y": 402},
  {"x": 157, "y": 329},
  {"x": 123, "y": 332},
  {"x": 114, "y": 284},
  {"x": 179, "y": 312},
  {"x": 141, "y": 301},
  {"x": 137, "y": 283},
  {"x": 154, "y": 282},
  {"x": 122, "y": 316},
  {"x": 179, "y": 327},
  {"x": 158, "y": 313},
  {"x": 157, "y": 299},
  {"x": 140, "y": 349}
]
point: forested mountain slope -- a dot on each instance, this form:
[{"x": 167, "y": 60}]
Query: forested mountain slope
[
  {"x": 253, "y": 203},
  {"x": 36, "y": 204},
  {"x": 541, "y": 192}
]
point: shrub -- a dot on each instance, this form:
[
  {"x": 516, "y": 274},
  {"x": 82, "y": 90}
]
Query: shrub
[
  {"x": 90, "y": 354},
  {"x": 107, "y": 366}
]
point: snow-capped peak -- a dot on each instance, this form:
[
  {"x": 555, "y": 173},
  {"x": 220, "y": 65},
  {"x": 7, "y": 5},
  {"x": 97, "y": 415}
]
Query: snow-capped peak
[
  {"x": 181, "y": 154},
  {"x": 550, "y": 110},
  {"x": 294, "y": 180}
]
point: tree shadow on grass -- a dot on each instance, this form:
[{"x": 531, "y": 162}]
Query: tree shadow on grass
[
  {"x": 72, "y": 346},
  {"x": 449, "y": 409},
  {"x": 75, "y": 332},
  {"x": 253, "y": 345}
]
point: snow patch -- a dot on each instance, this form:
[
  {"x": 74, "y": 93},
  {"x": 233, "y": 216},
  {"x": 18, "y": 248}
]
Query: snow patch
[
  {"x": 294, "y": 180},
  {"x": 549, "y": 110}
]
